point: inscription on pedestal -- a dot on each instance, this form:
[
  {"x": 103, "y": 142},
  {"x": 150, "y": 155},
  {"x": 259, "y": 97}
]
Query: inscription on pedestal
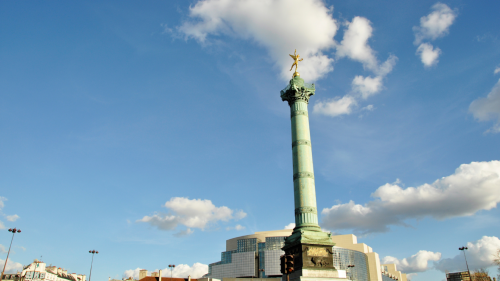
[
  {"x": 316, "y": 252},
  {"x": 312, "y": 256}
]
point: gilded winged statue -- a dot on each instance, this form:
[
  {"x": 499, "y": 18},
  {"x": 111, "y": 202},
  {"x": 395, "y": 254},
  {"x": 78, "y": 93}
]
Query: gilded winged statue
[{"x": 295, "y": 57}]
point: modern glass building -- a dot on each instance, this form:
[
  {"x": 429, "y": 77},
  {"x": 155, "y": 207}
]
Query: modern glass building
[
  {"x": 258, "y": 255},
  {"x": 353, "y": 262},
  {"x": 255, "y": 255}
]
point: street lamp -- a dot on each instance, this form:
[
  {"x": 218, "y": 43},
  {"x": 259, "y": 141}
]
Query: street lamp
[
  {"x": 93, "y": 252},
  {"x": 14, "y": 231},
  {"x": 350, "y": 266},
  {"x": 463, "y": 249},
  {"x": 171, "y": 266}
]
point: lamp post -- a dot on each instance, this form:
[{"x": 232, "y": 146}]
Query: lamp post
[
  {"x": 350, "y": 273},
  {"x": 463, "y": 250},
  {"x": 171, "y": 266},
  {"x": 93, "y": 252},
  {"x": 14, "y": 231}
]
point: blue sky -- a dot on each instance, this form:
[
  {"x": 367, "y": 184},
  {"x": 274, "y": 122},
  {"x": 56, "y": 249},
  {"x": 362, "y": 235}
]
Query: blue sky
[{"x": 153, "y": 131}]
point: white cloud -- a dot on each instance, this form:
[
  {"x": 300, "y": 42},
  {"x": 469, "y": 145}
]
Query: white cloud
[
  {"x": 134, "y": 273},
  {"x": 240, "y": 215},
  {"x": 12, "y": 266},
  {"x": 428, "y": 55},
  {"x": 369, "y": 107},
  {"x": 197, "y": 270},
  {"x": 185, "y": 232},
  {"x": 497, "y": 70},
  {"x": 192, "y": 213},
  {"x": 409, "y": 276},
  {"x": 488, "y": 108},
  {"x": 335, "y": 106},
  {"x": 2, "y": 249},
  {"x": 366, "y": 86},
  {"x": 479, "y": 255},
  {"x": 12, "y": 218},
  {"x": 355, "y": 46},
  {"x": 290, "y": 226},
  {"x": 436, "y": 24},
  {"x": 237, "y": 227},
  {"x": 473, "y": 187},
  {"x": 273, "y": 24},
  {"x": 418, "y": 262}
]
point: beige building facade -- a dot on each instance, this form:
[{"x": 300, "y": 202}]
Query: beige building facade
[{"x": 264, "y": 263}]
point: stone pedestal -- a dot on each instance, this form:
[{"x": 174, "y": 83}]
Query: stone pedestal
[{"x": 314, "y": 275}]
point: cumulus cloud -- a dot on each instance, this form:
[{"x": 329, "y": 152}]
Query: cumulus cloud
[
  {"x": 488, "y": 108},
  {"x": 12, "y": 266},
  {"x": 354, "y": 45},
  {"x": 237, "y": 227},
  {"x": 428, "y": 55},
  {"x": 192, "y": 213},
  {"x": 366, "y": 86},
  {"x": 369, "y": 107},
  {"x": 436, "y": 24},
  {"x": 197, "y": 270},
  {"x": 274, "y": 25},
  {"x": 473, "y": 187},
  {"x": 336, "y": 106},
  {"x": 290, "y": 226},
  {"x": 418, "y": 262},
  {"x": 12, "y": 218},
  {"x": 479, "y": 255}
]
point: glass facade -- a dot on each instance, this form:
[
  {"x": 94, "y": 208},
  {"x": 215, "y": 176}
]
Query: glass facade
[
  {"x": 226, "y": 257},
  {"x": 275, "y": 243},
  {"x": 242, "y": 261},
  {"x": 344, "y": 257},
  {"x": 262, "y": 259},
  {"x": 247, "y": 245}
]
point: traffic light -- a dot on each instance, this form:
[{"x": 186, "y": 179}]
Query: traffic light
[
  {"x": 286, "y": 264},
  {"x": 289, "y": 263},
  {"x": 283, "y": 264}
]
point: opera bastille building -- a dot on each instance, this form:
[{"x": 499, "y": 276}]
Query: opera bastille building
[{"x": 258, "y": 255}]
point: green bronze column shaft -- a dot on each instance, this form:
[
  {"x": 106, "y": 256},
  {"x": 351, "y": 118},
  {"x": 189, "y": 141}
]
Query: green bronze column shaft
[{"x": 297, "y": 95}]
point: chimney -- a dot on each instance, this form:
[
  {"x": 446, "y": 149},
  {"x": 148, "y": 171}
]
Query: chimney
[
  {"x": 142, "y": 273},
  {"x": 189, "y": 277},
  {"x": 159, "y": 274}
]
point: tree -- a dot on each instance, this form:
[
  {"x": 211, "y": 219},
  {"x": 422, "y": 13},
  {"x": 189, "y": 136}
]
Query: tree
[
  {"x": 496, "y": 260},
  {"x": 480, "y": 275}
]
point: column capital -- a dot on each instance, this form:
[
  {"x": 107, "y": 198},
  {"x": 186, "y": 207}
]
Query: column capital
[{"x": 297, "y": 90}]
